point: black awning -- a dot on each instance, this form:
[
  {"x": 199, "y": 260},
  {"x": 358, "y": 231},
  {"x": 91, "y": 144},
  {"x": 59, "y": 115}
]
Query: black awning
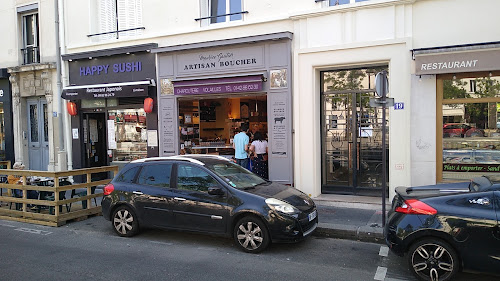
[{"x": 112, "y": 90}]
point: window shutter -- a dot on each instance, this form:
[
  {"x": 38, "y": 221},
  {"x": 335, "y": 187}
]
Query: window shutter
[
  {"x": 129, "y": 16},
  {"x": 107, "y": 18}
]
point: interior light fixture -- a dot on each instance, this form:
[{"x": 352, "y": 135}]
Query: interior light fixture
[
  {"x": 420, "y": 78},
  {"x": 90, "y": 58},
  {"x": 491, "y": 74},
  {"x": 128, "y": 53},
  {"x": 454, "y": 77}
]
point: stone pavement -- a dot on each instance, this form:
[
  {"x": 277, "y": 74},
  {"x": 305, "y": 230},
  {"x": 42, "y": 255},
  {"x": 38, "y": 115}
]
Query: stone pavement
[{"x": 350, "y": 217}]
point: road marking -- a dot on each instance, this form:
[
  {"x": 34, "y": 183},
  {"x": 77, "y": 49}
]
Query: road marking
[
  {"x": 33, "y": 231},
  {"x": 8, "y": 225},
  {"x": 384, "y": 251},
  {"x": 380, "y": 274}
]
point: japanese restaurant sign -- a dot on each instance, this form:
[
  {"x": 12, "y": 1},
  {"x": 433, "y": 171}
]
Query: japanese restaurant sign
[{"x": 484, "y": 168}]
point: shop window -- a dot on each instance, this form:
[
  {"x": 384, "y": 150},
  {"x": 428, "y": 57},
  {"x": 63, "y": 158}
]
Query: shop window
[
  {"x": 31, "y": 49},
  {"x": 217, "y": 11},
  {"x": 118, "y": 19},
  {"x": 130, "y": 134},
  {"x": 471, "y": 128}
]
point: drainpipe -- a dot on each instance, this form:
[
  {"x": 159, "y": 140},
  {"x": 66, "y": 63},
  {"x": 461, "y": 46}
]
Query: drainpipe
[
  {"x": 61, "y": 154},
  {"x": 67, "y": 118}
]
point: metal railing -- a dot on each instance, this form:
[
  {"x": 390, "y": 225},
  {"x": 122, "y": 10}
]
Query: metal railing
[{"x": 31, "y": 55}]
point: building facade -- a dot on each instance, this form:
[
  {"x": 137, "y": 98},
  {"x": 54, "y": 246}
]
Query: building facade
[
  {"x": 332, "y": 136},
  {"x": 30, "y": 56}
]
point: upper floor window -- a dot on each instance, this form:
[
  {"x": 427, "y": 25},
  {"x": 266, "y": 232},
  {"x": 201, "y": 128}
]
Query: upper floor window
[
  {"x": 30, "y": 37},
  {"x": 216, "y": 11},
  {"x": 225, "y": 10},
  {"x": 119, "y": 18},
  {"x": 341, "y": 2}
]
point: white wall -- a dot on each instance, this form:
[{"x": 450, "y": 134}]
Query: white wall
[{"x": 455, "y": 22}]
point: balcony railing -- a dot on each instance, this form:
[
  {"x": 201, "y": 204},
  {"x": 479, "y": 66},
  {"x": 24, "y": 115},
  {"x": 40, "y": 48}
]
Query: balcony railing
[{"x": 31, "y": 55}]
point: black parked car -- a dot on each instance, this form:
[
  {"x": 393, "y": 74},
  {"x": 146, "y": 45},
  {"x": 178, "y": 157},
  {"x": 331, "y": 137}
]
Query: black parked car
[
  {"x": 209, "y": 194},
  {"x": 445, "y": 228}
]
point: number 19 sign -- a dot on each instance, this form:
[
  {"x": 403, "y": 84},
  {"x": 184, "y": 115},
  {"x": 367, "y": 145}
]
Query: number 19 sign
[{"x": 399, "y": 105}]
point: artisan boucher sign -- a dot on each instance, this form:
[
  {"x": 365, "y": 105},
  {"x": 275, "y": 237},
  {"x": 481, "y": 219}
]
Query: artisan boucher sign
[{"x": 441, "y": 63}]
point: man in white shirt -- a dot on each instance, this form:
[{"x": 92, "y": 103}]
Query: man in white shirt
[{"x": 240, "y": 145}]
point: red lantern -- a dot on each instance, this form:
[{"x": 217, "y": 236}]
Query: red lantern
[
  {"x": 148, "y": 105},
  {"x": 71, "y": 106}
]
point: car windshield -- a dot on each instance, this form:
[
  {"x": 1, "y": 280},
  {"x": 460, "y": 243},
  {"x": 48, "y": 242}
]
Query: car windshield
[{"x": 235, "y": 175}]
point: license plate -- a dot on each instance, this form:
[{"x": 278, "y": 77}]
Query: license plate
[{"x": 313, "y": 215}]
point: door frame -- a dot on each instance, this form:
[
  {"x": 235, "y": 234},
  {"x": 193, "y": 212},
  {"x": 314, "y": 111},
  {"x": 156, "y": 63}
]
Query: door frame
[{"x": 42, "y": 145}]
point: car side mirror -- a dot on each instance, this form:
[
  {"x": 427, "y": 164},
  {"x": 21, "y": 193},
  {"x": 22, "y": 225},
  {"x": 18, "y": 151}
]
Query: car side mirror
[{"x": 215, "y": 190}]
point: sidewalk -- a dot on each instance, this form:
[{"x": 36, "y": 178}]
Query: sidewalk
[{"x": 350, "y": 217}]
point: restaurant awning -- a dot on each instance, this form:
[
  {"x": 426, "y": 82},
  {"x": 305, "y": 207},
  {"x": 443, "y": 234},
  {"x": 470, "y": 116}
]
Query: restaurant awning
[
  {"x": 239, "y": 84},
  {"x": 111, "y": 90}
]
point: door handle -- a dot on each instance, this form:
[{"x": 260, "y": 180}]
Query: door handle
[
  {"x": 137, "y": 192},
  {"x": 179, "y": 199}
]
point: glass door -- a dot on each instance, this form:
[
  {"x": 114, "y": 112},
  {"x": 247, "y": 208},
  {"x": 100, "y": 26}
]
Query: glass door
[
  {"x": 38, "y": 134},
  {"x": 351, "y": 135}
]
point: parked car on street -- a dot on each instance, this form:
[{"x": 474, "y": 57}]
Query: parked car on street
[
  {"x": 445, "y": 228},
  {"x": 453, "y": 130},
  {"x": 209, "y": 194}
]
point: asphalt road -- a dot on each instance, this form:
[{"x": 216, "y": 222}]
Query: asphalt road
[{"x": 90, "y": 250}]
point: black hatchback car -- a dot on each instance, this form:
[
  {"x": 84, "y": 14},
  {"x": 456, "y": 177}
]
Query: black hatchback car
[
  {"x": 445, "y": 228},
  {"x": 208, "y": 194}
]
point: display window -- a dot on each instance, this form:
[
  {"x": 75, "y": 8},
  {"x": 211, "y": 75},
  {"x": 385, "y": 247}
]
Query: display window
[
  {"x": 130, "y": 134},
  {"x": 208, "y": 125},
  {"x": 470, "y": 128},
  {"x": 2, "y": 132}
]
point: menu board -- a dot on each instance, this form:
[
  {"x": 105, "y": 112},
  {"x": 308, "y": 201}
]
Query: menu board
[{"x": 168, "y": 127}]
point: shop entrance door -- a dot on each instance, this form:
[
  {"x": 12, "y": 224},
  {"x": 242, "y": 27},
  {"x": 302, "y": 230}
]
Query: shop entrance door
[
  {"x": 95, "y": 141},
  {"x": 38, "y": 135},
  {"x": 352, "y": 143}
]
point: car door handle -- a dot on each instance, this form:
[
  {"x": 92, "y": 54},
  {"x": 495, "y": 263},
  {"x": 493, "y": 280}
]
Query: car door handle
[
  {"x": 179, "y": 199},
  {"x": 137, "y": 192}
]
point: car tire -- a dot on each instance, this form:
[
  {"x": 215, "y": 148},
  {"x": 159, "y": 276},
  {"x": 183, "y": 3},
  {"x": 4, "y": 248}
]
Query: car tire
[
  {"x": 251, "y": 234},
  {"x": 433, "y": 259},
  {"x": 125, "y": 222}
]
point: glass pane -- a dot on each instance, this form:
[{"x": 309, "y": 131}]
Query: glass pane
[
  {"x": 235, "y": 7},
  {"x": 194, "y": 178},
  {"x": 483, "y": 87},
  {"x": 156, "y": 175},
  {"x": 34, "y": 122},
  {"x": 471, "y": 141},
  {"x": 217, "y": 7},
  {"x": 45, "y": 123},
  {"x": 30, "y": 30},
  {"x": 130, "y": 134},
  {"x": 339, "y": 2},
  {"x": 128, "y": 176}
]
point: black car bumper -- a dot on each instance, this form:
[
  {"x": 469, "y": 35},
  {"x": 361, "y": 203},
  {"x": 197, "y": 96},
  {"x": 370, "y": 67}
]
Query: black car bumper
[
  {"x": 106, "y": 207},
  {"x": 284, "y": 228}
]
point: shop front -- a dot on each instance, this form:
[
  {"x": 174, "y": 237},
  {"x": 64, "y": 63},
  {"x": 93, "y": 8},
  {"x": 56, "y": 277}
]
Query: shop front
[
  {"x": 108, "y": 91},
  {"x": 6, "y": 130},
  {"x": 467, "y": 109},
  {"x": 209, "y": 90}
]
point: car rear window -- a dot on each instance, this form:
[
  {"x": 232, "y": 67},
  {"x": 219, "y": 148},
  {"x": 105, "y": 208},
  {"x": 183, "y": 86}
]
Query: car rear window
[
  {"x": 128, "y": 176},
  {"x": 155, "y": 175}
]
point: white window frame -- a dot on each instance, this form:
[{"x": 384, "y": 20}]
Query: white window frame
[
  {"x": 36, "y": 35},
  {"x": 119, "y": 18},
  {"x": 206, "y": 11}
]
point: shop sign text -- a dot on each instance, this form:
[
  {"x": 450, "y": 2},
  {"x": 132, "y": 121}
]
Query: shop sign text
[
  {"x": 116, "y": 68},
  {"x": 485, "y": 168}
]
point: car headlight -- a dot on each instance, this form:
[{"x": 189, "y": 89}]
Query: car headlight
[{"x": 281, "y": 206}]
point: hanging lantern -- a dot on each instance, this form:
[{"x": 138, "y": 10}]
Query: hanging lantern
[
  {"x": 148, "y": 105},
  {"x": 71, "y": 106}
]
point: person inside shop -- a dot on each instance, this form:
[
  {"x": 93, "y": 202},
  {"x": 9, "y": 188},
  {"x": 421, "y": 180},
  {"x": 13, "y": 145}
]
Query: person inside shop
[
  {"x": 240, "y": 145},
  {"x": 14, "y": 179},
  {"x": 258, "y": 150}
]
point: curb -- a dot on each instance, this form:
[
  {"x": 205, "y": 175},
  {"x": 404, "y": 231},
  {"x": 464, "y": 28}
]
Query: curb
[{"x": 350, "y": 232}]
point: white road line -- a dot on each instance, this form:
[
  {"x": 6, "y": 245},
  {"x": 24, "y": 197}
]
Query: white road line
[
  {"x": 384, "y": 251},
  {"x": 8, "y": 225},
  {"x": 380, "y": 274}
]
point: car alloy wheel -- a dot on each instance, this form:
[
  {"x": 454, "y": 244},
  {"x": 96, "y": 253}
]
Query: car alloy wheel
[
  {"x": 433, "y": 259},
  {"x": 251, "y": 235},
  {"x": 125, "y": 222}
]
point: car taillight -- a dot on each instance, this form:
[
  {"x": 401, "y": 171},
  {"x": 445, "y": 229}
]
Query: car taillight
[
  {"x": 413, "y": 206},
  {"x": 108, "y": 189}
]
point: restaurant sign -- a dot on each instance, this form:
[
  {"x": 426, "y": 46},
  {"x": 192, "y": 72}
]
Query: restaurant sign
[
  {"x": 105, "y": 91},
  {"x": 483, "y": 168},
  {"x": 242, "y": 84},
  {"x": 441, "y": 63}
]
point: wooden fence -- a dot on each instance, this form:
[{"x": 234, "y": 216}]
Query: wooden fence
[{"x": 47, "y": 211}]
